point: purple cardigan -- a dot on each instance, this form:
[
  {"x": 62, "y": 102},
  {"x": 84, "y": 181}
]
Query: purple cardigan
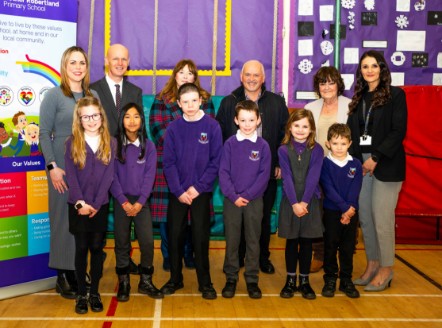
[
  {"x": 313, "y": 174},
  {"x": 92, "y": 183}
]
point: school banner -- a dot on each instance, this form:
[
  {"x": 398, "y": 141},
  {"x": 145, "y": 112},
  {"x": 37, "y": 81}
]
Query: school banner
[{"x": 33, "y": 36}]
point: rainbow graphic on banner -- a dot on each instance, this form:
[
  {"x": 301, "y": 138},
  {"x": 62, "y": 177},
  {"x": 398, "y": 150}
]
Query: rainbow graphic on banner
[{"x": 42, "y": 69}]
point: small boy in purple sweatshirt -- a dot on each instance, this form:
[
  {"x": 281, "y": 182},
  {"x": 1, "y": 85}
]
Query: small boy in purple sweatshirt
[
  {"x": 341, "y": 180},
  {"x": 243, "y": 177},
  {"x": 192, "y": 152}
]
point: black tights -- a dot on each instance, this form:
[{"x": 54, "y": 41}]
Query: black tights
[
  {"x": 298, "y": 250},
  {"x": 93, "y": 242}
]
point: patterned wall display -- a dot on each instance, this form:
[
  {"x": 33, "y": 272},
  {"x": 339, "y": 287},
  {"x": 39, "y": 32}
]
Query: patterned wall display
[{"x": 408, "y": 32}]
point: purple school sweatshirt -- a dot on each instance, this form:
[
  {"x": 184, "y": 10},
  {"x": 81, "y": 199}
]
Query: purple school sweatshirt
[{"x": 192, "y": 152}]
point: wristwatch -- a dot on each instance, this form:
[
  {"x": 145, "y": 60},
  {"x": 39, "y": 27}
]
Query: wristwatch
[
  {"x": 51, "y": 166},
  {"x": 374, "y": 158},
  {"x": 79, "y": 204}
]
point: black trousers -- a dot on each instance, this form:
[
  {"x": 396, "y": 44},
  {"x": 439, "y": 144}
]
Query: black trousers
[
  {"x": 143, "y": 229},
  {"x": 298, "y": 251},
  {"x": 340, "y": 238},
  {"x": 200, "y": 226}
]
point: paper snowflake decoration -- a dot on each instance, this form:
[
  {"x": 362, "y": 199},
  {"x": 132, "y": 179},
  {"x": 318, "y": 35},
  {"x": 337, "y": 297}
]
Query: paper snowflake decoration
[
  {"x": 305, "y": 66},
  {"x": 369, "y": 4},
  {"x": 401, "y": 21},
  {"x": 348, "y": 4}
]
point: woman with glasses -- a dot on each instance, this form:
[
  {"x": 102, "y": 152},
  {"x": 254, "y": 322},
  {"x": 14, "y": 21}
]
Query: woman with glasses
[{"x": 56, "y": 116}]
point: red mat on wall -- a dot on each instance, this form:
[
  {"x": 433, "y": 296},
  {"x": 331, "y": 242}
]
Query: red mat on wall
[
  {"x": 424, "y": 128},
  {"x": 419, "y": 208}
]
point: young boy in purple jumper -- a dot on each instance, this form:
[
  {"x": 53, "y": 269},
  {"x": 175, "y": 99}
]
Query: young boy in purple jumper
[
  {"x": 341, "y": 180},
  {"x": 243, "y": 177},
  {"x": 192, "y": 152}
]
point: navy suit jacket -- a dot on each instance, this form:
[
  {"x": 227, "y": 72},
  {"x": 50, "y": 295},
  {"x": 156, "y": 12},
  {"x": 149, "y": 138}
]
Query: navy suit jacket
[{"x": 130, "y": 93}]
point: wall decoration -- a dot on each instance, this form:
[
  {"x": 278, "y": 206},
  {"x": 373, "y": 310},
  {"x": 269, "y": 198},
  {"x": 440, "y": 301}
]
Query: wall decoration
[{"x": 408, "y": 32}]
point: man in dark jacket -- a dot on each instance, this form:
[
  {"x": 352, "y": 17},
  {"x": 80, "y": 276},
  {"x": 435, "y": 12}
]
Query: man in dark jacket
[{"x": 274, "y": 115}]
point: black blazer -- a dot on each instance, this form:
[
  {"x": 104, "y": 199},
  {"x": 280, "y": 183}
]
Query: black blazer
[
  {"x": 389, "y": 128},
  {"x": 130, "y": 93}
]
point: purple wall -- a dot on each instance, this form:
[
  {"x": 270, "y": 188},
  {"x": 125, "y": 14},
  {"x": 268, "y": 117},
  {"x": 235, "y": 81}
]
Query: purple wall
[{"x": 184, "y": 31}]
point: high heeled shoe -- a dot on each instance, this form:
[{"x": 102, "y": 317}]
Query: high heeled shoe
[
  {"x": 365, "y": 282},
  {"x": 381, "y": 287}
]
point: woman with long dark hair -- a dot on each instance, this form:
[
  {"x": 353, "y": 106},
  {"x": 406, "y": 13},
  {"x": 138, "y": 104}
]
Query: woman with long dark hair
[{"x": 378, "y": 121}]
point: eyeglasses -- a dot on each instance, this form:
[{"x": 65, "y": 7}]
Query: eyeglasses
[{"x": 94, "y": 117}]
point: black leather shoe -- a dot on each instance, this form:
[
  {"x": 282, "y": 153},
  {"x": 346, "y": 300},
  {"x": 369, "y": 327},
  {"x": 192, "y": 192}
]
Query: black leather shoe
[
  {"x": 289, "y": 288},
  {"x": 123, "y": 287},
  {"x": 329, "y": 288},
  {"x": 349, "y": 289},
  {"x": 95, "y": 303},
  {"x": 81, "y": 305},
  {"x": 133, "y": 267},
  {"x": 305, "y": 289},
  {"x": 64, "y": 288},
  {"x": 253, "y": 290},
  {"x": 146, "y": 285},
  {"x": 209, "y": 293},
  {"x": 229, "y": 289},
  {"x": 171, "y": 287},
  {"x": 267, "y": 267}
]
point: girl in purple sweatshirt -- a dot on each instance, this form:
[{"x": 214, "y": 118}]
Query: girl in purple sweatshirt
[
  {"x": 89, "y": 162},
  {"x": 134, "y": 176},
  {"x": 192, "y": 153}
]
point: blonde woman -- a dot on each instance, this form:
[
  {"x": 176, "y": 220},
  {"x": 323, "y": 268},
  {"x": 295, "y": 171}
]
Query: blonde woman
[{"x": 56, "y": 112}]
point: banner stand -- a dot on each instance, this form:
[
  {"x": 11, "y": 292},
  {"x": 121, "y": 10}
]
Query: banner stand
[{"x": 27, "y": 288}]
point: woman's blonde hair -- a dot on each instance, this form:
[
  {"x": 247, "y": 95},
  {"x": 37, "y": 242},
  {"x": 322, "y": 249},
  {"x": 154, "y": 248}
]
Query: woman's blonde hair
[
  {"x": 296, "y": 116},
  {"x": 78, "y": 146},
  {"x": 64, "y": 84}
]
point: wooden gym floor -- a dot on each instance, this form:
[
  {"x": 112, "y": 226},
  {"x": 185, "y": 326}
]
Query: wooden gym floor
[{"x": 414, "y": 299}]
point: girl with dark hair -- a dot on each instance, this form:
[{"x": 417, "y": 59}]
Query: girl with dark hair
[
  {"x": 378, "y": 122},
  {"x": 134, "y": 176}
]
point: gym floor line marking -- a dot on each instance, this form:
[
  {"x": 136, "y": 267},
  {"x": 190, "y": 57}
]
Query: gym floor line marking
[
  {"x": 419, "y": 272},
  {"x": 278, "y": 319}
]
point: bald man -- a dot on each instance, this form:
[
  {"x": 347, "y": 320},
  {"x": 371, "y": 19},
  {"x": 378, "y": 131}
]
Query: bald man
[
  {"x": 274, "y": 115},
  {"x": 117, "y": 60}
]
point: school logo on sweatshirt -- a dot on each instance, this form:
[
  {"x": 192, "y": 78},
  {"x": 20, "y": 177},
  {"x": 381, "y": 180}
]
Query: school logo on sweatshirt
[
  {"x": 254, "y": 155},
  {"x": 351, "y": 172},
  {"x": 203, "y": 138}
]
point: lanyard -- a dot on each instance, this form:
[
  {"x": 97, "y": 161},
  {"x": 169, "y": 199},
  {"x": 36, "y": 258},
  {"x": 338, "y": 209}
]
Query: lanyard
[{"x": 366, "y": 119}]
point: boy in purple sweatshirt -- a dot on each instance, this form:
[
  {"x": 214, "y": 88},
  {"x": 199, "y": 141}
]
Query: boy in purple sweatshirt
[
  {"x": 341, "y": 180},
  {"x": 243, "y": 177},
  {"x": 192, "y": 152}
]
